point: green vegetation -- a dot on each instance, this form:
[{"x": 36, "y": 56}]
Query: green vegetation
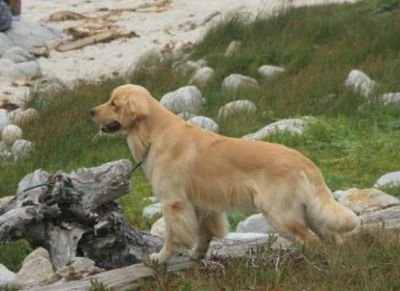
[{"x": 352, "y": 144}]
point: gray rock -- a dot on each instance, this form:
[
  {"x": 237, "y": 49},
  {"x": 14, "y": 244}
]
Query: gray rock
[
  {"x": 30, "y": 69},
  {"x": 292, "y": 126},
  {"x": 158, "y": 227},
  {"x": 21, "y": 148},
  {"x": 202, "y": 77},
  {"x": 20, "y": 117},
  {"x": 27, "y": 35},
  {"x": 204, "y": 122},
  {"x": 18, "y": 55},
  {"x": 6, "y": 276},
  {"x": 11, "y": 133},
  {"x": 186, "y": 99},
  {"x": 237, "y": 108},
  {"x": 5, "y": 17},
  {"x": 360, "y": 83},
  {"x": 391, "y": 99},
  {"x": 5, "y": 200},
  {"x": 11, "y": 71},
  {"x": 49, "y": 86},
  {"x": 152, "y": 210},
  {"x": 389, "y": 180},
  {"x": 241, "y": 244},
  {"x": 233, "y": 48},
  {"x": 4, "y": 119},
  {"x": 188, "y": 67},
  {"x": 235, "y": 82},
  {"x": 36, "y": 268},
  {"x": 255, "y": 223},
  {"x": 366, "y": 200},
  {"x": 5, "y": 43},
  {"x": 386, "y": 218},
  {"x": 5, "y": 152},
  {"x": 268, "y": 71},
  {"x": 186, "y": 115}
]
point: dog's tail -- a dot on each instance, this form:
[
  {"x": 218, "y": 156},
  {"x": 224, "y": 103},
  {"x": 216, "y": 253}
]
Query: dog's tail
[{"x": 325, "y": 214}]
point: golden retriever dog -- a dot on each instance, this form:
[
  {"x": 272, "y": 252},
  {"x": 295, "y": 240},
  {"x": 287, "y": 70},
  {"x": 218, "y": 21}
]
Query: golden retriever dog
[{"x": 198, "y": 175}]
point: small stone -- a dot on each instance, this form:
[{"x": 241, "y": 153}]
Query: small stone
[
  {"x": 186, "y": 115},
  {"x": 20, "y": 117},
  {"x": 188, "y": 99},
  {"x": 11, "y": 133},
  {"x": 237, "y": 108},
  {"x": 360, "y": 83},
  {"x": 4, "y": 119},
  {"x": 29, "y": 70},
  {"x": 6, "y": 104},
  {"x": 18, "y": 55},
  {"x": 236, "y": 82},
  {"x": 387, "y": 218},
  {"x": 188, "y": 68},
  {"x": 255, "y": 223},
  {"x": 391, "y": 99},
  {"x": 36, "y": 268},
  {"x": 268, "y": 71},
  {"x": 202, "y": 77},
  {"x": 6, "y": 277},
  {"x": 389, "y": 180},
  {"x": 152, "y": 210},
  {"x": 158, "y": 227},
  {"x": 5, "y": 152},
  {"x": 204, "y": 122},
  {"x": 233, "y": 48},
  {"x": 21, "y": 148},
  {"x": 49, "y": 86},
  {"x": 78, "y": 267},
  {"x": 291, "y": 126},
  {"x": 366, "y": 200}
]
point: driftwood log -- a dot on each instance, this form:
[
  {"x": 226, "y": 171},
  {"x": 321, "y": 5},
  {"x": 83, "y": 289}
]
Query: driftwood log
[{"x": 75, "y": 215}]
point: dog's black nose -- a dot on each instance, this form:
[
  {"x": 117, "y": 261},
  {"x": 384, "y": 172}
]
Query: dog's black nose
[{"x": 92, "y": 111}]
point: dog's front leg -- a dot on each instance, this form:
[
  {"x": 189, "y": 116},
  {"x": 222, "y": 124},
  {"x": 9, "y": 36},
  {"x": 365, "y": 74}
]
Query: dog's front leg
[{"x": 181, "y": 228}]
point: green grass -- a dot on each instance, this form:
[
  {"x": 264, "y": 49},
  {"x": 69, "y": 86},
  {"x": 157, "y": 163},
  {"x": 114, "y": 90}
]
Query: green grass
[
  {"x": 370, "y": 261},
  {"x": 318, "y": 46}
]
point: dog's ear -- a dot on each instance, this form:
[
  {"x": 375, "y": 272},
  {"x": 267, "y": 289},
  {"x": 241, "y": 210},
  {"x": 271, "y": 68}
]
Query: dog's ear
[{"x": 134, "y": 109}]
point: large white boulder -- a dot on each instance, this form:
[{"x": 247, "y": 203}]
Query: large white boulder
[
  {"x": 267, "y": 71},
  {"x": 152, "y": 210},
  {"x": 202, "y": 77},
  {"x": 36, "y": 268},
  {"x": 255, "y": 223},
  {"x": 185, "y": 99},
  {"x": 204, "y": 122},
  {"x": 21, "y": 148},
  {"x": 158, "y": 227},
  {"x": 365, "y": 200},
  {"x": 18, "y": 55},
  {"x": 360, "y": 83},
  {"x": 10, "y": 134},
  {"x": 391, "y": 98},
  {"x": 389, "y": 180},
  {"x": 292, "y": 126},
  {"x": 20, "y": 117},
  {"x": 236, "y": 82},
  {"x": 4, "y": 119},
  {"x": 237, "y": 108}
]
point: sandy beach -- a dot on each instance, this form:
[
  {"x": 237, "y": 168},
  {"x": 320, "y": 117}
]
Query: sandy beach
[{"x": 158, "y": 24}]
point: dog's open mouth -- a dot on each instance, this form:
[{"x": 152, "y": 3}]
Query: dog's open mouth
[{"x": 111, "y": 127}]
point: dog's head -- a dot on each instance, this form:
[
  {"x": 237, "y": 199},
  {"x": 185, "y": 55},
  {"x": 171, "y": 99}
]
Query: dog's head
[{"x": 128, "y": 105}]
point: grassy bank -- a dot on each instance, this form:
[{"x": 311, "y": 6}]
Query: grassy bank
[{"x": 318, "y": 46}]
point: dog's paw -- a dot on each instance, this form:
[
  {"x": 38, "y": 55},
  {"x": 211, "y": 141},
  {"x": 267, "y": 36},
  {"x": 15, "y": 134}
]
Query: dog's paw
[
  {"x": 157, "y": 258},
  {"x": 197, "y": 255}
]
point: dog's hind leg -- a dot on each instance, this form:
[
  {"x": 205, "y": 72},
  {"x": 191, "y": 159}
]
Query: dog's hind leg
[
  {"x": 181, "y": 228},
  {"x": 211, "y": 224},
  {"x": 287, "y": 220}
]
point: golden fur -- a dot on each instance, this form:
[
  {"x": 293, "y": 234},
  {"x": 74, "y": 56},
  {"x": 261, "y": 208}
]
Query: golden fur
[{"x": 199, "y": 175}]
